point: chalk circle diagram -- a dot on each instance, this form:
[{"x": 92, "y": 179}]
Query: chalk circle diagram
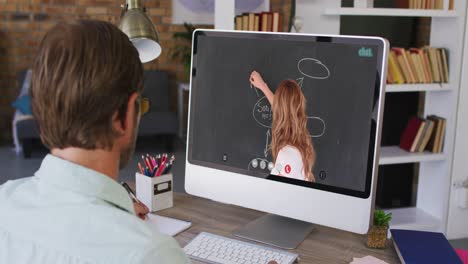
[
  {"x": 313, "y": 68},
  {"x": 262, "y": 112}
]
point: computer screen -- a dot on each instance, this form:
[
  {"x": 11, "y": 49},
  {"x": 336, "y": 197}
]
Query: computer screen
[{"x": 317, "y": 130}]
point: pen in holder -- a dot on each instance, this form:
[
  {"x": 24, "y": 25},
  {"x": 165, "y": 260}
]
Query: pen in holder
[{"x": 154, "y": 192}]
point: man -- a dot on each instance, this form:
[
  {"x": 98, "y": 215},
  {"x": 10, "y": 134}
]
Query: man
[{"x": 86, "y": 89}]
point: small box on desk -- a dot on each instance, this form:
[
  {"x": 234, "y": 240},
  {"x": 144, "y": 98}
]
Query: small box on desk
[{"x": 154, "y": 192}]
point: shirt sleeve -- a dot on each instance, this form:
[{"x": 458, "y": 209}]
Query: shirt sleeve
[
  {"x": 167, "y": 252},
  {"x": 288, "y": 163}
]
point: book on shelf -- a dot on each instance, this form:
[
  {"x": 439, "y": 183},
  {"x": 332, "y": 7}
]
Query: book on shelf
[
  {"x": 418, "y": 65},
  {"x": 264, "y": 26},
  {"x": 238, "y": 23},
  {"x": 410, "y": 133},
  {"x": 276, "y": 22},
  {"x": 257, "y": 22},
  {"x": 265, "y": 21},
  {"x": 245, "y": 21},
  {"x": 422, "y": 4},
  {"x": 427, "y": 135},
  {"x": 251, "y": 18},
  {"x": 394, "y": 70},
  {"x": 424, "y": 134},
  {"x": 419, "y": 136}
]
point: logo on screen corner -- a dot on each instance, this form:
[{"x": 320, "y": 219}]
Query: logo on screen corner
[{"x": 365, "y": 52}]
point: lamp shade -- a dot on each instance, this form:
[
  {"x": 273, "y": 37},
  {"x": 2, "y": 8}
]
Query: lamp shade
[{"x": 141, "y": 32}]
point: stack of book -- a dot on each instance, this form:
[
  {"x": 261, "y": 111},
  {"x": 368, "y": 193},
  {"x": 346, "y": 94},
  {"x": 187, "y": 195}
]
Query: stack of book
[
  {"x": 265, "y": 21},
  {"x": 424, "y": 65},
  {"x": 423, "y": 4},
  {"x": 424, "y": 134}
]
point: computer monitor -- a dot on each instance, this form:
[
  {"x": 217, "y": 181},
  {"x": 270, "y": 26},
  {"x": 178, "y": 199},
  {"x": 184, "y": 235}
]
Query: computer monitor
[{"x": 243, "y": 150}]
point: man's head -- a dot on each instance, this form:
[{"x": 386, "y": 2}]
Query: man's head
[{"x": 85, "y": 88}]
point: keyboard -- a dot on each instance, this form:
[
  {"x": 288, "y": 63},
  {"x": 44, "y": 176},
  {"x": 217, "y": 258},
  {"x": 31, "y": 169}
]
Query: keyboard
[{"x": 216, "y": 249}]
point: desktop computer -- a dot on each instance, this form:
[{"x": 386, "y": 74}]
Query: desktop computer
[{"x": 288, "y": 124}]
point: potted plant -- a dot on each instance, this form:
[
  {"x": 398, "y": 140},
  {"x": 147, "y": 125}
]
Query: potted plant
[
  {"x": 377, "y": 235},
  {"x": 183, "y": 51}
]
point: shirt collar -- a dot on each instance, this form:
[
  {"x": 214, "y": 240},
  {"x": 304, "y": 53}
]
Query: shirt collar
[{"x": 73, "y": 177}]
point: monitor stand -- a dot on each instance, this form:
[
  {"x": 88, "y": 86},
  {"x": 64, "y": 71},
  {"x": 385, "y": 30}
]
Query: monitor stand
[{"x": 275, "y": 230}]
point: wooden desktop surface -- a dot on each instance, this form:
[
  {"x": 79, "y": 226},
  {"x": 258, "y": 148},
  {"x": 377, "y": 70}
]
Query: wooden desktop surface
[{"x": 323, "y": 245}]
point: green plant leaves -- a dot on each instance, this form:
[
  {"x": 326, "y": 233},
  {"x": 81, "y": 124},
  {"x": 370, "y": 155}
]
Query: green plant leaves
[
  {"x": 183, "y": 51},
  {"x": 381, "y": 219}
]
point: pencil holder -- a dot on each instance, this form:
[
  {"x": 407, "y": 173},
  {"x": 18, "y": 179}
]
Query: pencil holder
[{"x": 154, "y": 192}]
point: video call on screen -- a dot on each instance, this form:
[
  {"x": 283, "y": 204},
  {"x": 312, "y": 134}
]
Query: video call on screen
[{"x": 231, "y": 121}]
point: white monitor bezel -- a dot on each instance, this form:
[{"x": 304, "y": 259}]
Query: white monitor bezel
[{"x": 336, "y": 210}]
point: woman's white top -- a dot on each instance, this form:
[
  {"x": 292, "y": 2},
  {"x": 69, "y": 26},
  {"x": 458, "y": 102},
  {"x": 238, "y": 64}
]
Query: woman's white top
[{"x": 289, "y": 163}]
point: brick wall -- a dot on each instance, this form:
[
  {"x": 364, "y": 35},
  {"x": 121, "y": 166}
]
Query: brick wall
[{"x": 24, "y": 22}]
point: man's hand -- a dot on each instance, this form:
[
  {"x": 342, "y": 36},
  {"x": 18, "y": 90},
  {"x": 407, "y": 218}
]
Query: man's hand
[{"x": 140, "y": 210}]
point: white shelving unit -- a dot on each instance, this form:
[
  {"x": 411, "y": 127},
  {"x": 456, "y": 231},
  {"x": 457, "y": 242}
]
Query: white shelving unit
[
  {"x": 396, "y": 155},
  {"x": 414, "y": 218},
  {"x": 420, "y": 87},
  {"x": 447, "y": 30}
]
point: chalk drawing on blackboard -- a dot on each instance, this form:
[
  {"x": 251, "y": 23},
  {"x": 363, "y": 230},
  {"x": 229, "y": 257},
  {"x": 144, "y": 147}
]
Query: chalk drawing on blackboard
[
  {"x": 315, "y": 131},
  {"x": 262, "y": 112},
  {"x": 300, "y": 81},
  {"x": 313, "y": 68},
  {"x": 265, "y": 151},
  {"x": 260, "y": 164}
]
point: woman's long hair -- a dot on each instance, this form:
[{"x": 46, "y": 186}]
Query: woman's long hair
[{"x": 289, "y": 125}]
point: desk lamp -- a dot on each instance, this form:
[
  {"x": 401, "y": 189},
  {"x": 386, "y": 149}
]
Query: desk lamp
[{"x": 140, "y": 30}]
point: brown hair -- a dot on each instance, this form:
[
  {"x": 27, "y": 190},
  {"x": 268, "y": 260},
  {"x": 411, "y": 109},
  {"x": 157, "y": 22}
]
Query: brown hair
[
  {"x": 289, "y": 125},
  {"x": 84, "y": 72}
]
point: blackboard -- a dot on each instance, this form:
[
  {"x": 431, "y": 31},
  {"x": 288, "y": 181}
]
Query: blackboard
[{"x": 230, "y": 121}]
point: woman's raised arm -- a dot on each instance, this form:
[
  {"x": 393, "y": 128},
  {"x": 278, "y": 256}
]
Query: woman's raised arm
[{"x": 257, "y": 81}]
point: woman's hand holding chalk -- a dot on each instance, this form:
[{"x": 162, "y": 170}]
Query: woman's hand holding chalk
[{"x": 256, "y": 80}]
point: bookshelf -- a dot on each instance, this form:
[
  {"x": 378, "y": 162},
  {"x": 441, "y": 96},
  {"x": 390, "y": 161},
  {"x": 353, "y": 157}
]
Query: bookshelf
[{"x": 435, "y": 170}]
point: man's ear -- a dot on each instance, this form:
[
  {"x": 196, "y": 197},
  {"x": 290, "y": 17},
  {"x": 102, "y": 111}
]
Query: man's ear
[{"x": 122, "y": 125}]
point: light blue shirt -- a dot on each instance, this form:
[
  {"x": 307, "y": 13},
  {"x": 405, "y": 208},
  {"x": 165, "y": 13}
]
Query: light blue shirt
[{"x": 67, "y": 213}]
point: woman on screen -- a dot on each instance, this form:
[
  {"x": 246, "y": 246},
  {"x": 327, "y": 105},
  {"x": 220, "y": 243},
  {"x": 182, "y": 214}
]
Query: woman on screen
[{"x": 291, "y": 144}]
